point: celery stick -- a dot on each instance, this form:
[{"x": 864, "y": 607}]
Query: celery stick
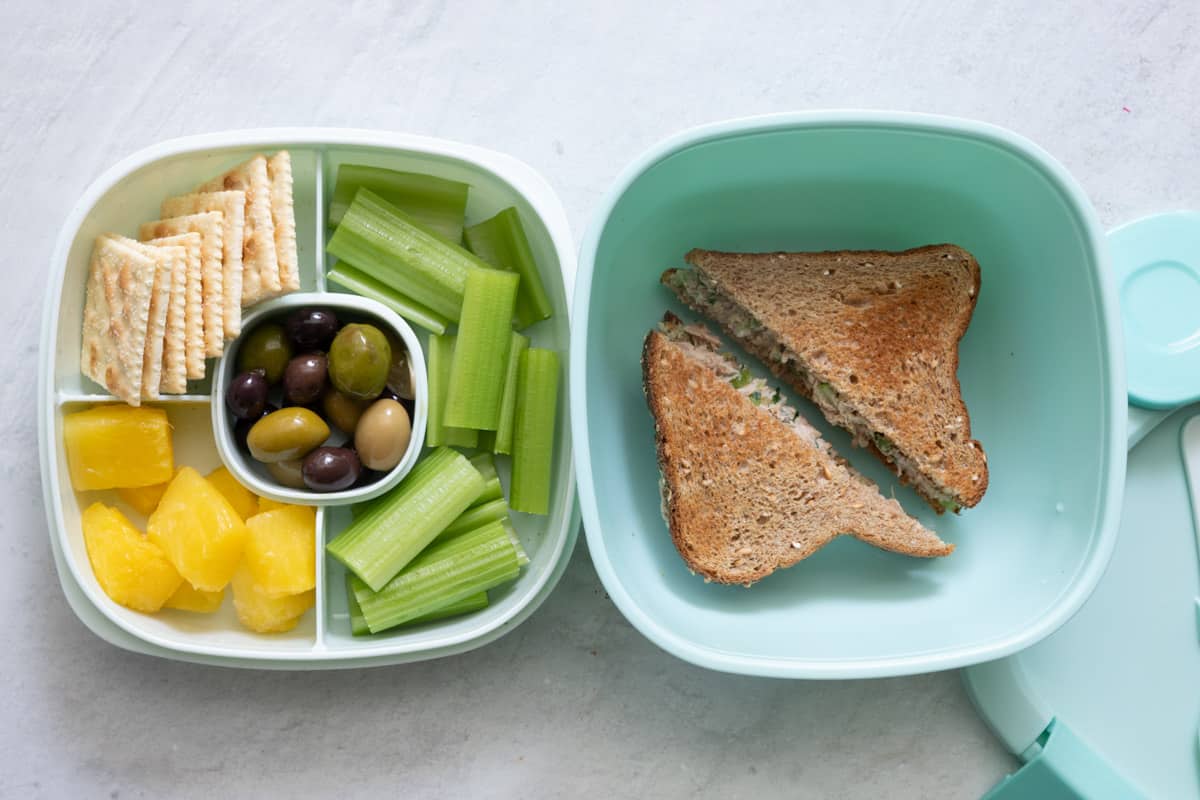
[
  {"x": 449, "y": 571},
  {"x": 491, "y": 481},
  {"x": 359, "y": 282},
  {"x": 436, "y": 203},
  {"x": 522, "y": 558},
  {"x": 502, "y": 443},
  {"x": 396, "y": 527},
  {"x": 533, "y": 431},
  {"x": 358, "y": 623},
  {"x": 475, "y": 516},
  {"x": 440, "y": 354},
  {"x": 462, "y": 437},
  {"x": 501, "y": 242},
  {"x": 384, "y": 242},
  {"x": 477, "y": 370}
]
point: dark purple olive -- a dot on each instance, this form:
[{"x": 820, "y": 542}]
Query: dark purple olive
[
  {"x": 247, "y": 394},
  {"x": 331, "y": 469},
  {"x": 242, "y": 429},
  {"x": 311, "y": 328},
  {"x": 304, "y": 379},
  {"x": 408, "y": 403},
  {"x": 369, "y": 476}
]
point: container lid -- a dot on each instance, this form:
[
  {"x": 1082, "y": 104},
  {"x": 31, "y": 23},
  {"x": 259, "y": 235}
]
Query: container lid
[
  {"x": 1157, "y": 265},
  {"x": 1108, "y": 705}
]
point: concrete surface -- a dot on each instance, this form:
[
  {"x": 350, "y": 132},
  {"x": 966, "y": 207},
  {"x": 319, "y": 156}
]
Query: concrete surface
[{"x": 574, "y": 703}]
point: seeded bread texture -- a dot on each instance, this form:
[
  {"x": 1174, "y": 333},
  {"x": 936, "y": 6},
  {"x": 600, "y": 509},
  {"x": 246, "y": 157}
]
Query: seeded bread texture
[
  {"x": 882, "y": 329},
  {"x": 744, "y": 493}
]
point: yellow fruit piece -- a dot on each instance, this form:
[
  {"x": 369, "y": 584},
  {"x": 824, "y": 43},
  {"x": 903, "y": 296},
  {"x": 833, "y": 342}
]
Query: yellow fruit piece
[
  {"x": 131, "y": 569},
  {"x": 199, "y": 530},
  {"x": 244, "y": 501},
  {"x": 264, "y": 614},
  {"x": 143, "y": 499},
  {"x": 281, "y": 550},
  {"x": 118, "y": 446},
  {"x": 187, "y": 598},
  {"x": 267, "y": 504}
]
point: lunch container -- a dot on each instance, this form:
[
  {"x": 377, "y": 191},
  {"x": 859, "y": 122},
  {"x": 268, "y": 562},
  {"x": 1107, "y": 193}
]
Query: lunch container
[
  {"x": 1042, "y": 368},
  {"x": 349, "y": 308},
  {"x": 130, "y": 193}
]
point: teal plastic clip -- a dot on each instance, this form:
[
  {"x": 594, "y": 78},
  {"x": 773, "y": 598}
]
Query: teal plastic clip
[{"x": 1062, "y": 766}]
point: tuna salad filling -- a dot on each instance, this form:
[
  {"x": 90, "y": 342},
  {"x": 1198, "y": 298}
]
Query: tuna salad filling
[
  {"x": 699, "y": 344},
  {"x": 700, "y": 293}
]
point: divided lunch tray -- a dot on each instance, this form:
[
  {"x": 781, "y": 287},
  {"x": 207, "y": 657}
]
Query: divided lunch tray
[{"x": 130, "y": 193}]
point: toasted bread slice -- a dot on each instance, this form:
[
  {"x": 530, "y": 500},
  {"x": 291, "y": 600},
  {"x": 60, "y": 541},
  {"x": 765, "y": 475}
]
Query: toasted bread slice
[
  {"x": 871, "y": 337},
  {"x": 749, "y": 489}
]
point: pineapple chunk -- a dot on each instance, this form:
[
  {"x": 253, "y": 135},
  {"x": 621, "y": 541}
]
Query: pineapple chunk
[
  {"x": 281, "y": 550},
  {"x": 131, "y": 569},
  {"x": 118, "y": 446},
  {"x": 244, "y": 501},
  {"x": 199, "y": 530},
  {"x": 143, "y": 499},
  {"x": 264, "y": 614},
  {"x": 187, "y": 598},
  {"x": 267, "y": 504}
]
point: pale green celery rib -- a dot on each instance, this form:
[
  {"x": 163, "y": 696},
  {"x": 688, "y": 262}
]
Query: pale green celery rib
[
  {"x": 501, "y": 242},
  {"x": 533, "y": 431},
  {"x": 438, "y": 204},
  {"x": 480, "y": 353},
  {"x": 358, "y": 623},
  {"x": 363, "y": 284},
  {"x": 469, "y": 563},
  {"x": 502, "y": 443},
  {"x": 474, "y": 517},
  {"x": 390, "y": 533},
  {"x": 385, "y": 243},
  {"x": 486, "y": 464},
  {"x": 522, "y": 556},
  {"x": 439, "y": 355}
]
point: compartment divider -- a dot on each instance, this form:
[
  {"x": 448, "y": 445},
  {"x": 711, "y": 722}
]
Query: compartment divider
[
  {"x": 63, "y": 398},
  {"x": 321, "y": 608},
  {"x": 319, "y": 194}
]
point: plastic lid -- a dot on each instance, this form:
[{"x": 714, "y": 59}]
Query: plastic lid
[
  {"x": 1121, "y": 676},
  {"x": 1157, "y": 265}
]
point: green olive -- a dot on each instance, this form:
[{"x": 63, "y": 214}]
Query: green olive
[
  {"x": 266, "y": 348},
  {"x": 342, "y": 410},
  {"x": 286, "y": 435},
  {"x": 359, "y": 360},
  {"x": 288, "y": 473}
]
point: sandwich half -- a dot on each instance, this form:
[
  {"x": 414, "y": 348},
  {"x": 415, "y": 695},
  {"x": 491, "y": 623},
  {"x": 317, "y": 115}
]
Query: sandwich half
[
  {"x": 748, "y": 485},
  {"x": 871, "y": 337}
]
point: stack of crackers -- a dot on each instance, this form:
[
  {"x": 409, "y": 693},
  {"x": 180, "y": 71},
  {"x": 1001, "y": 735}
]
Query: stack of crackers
[{"x": 158, "y": 307}]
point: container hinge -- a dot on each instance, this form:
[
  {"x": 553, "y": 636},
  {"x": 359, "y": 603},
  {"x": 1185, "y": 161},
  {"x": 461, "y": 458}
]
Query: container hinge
[{"x": 1062, "y": 766}]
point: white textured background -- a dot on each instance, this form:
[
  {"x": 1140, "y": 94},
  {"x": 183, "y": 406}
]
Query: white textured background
[{"x": 575, "y": 702}]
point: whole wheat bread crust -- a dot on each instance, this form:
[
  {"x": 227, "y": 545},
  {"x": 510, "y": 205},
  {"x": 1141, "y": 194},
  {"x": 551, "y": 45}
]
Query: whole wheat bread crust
[
  {"x": 745, "y": 494},
  {"x": 894, "y": 356}
]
